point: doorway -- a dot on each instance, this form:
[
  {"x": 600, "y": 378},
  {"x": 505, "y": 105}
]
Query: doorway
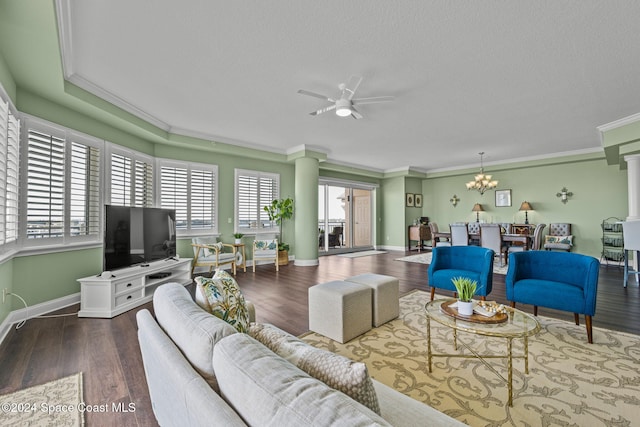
[{"x": 345, "y": 213}]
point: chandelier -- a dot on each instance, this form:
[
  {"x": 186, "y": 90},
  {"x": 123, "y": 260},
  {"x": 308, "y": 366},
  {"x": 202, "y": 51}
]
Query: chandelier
[{"x": 481, "y": 181}]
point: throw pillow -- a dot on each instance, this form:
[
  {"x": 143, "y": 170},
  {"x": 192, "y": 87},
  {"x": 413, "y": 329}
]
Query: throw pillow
[
  {"x": 336, "y": 371},
  {"x": 567, "y": 240},
  {"x": 223, "y": 299}
]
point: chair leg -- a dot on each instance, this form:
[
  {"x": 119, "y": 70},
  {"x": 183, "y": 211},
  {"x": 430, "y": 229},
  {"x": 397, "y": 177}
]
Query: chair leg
[
  {"x": 277, "y": 264},
  {"x": 535, "y": 310},
  {"x": 483, "y": 298},
  {"x": 433, "y": 293},
  {"x": 576, "y": 317},
  {"x": 513, "y": 304},
  {"x": 587, "y": 320}
]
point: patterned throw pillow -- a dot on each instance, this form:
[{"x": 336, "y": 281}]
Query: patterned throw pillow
[
  {"x": 567, "y": 240},
  {"x": 223, "y": 299},
  {"x": 338, "y": 372}
]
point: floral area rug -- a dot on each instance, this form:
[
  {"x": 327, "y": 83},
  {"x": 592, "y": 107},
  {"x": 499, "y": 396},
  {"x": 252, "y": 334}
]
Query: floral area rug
[
  {"x": 570, "y": 382},
  {"x": 56, "y": 403},
  {"x": 425, "y": 258}
]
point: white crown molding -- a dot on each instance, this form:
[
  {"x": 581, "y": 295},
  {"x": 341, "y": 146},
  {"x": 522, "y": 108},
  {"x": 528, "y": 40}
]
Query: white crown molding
[
  {"x": 619, "y": 123},
  {"x": 522, "y": 159},
  {"x": 63, "y": 15}
]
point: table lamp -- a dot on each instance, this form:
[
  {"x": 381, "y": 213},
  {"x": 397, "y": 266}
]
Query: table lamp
[
  {"x": 526, "y": 206},
  {"x": 477, "y": 208}
]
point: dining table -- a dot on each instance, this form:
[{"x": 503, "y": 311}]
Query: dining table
[{"x": 523, "y": 239}]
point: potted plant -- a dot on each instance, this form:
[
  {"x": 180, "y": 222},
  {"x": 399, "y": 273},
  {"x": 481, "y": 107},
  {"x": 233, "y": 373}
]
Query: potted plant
[
  {"x": 466, "y": 289},
  {"x": 238, "y": 237},
  {"x": 278, "y": 211}
]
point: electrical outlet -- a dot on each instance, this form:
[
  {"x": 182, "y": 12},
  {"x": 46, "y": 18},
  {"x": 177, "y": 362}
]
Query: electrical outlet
[{"x": 4, "y": 295}]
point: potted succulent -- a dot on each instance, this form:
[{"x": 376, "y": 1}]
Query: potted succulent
[
  {"x": 238, "y": 237},
  {"x": 278, "y": 211},
  {"x": 466, "y": 289}
]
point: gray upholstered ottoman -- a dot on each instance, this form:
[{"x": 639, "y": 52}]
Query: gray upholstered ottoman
[
  {"x": 386, "y": 295},
  {"x": 340, "y": 310}
]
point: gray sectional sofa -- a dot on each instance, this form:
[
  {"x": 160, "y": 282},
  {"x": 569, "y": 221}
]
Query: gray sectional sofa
[{"x": 200, "y": 371}]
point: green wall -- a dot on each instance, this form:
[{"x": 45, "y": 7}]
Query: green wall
[
  {"x": 599, "y": 191},
  {"x": 6, "y": 282}
]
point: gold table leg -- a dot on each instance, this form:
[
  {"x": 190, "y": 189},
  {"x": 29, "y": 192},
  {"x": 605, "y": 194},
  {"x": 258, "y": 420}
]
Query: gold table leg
[
  {"x": 429, "y": 342},
  {"x": 510, "y": 371}
]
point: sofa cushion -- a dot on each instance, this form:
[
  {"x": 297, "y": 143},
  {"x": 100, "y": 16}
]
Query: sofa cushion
[
  {"x": 224, "y": 299},
  {"x": 179, "y": 395},
  {"x": 338, "y": 372},
  {"x": 267, "y": 390},
  {"x": 192, "y": 329}
]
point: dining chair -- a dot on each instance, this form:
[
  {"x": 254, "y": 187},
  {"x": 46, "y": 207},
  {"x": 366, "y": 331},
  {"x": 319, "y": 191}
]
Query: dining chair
[
  {"x": 491, "y": 237},
  {"x": 459, "y": 234},
  {"x": 438, "y": 238},
  {"x": 535, "y": 243}
]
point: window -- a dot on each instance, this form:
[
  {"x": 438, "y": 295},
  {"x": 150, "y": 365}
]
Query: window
[
  {"x": 9, "y": 155},
  {"x": 254, "y": 191},
  {"x": 62, "y": 185},
  {"x": 131, "y": 179},
  {"x": 190, "y": 189}
]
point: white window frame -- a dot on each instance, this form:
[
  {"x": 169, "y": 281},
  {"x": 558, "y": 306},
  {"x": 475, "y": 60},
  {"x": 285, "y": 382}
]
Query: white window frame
[
  {"x": 259, "y": 227},
  {"x": 69, "y": 137},
  {"x": 190, "y": 167}
]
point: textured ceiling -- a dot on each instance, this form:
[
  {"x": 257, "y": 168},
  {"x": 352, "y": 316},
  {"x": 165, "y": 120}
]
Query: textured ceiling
[{"x": 517, "y": 79}]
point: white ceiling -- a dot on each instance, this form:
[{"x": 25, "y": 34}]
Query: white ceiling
[{"x": 515, "y": 79}]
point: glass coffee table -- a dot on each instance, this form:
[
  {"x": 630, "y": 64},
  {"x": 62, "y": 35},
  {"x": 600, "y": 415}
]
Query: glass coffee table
[{"x": 511, "y": 324}]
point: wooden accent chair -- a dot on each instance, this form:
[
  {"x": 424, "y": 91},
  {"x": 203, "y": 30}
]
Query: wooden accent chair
[
  {"x": 208, "y": 252},
  {"x": 265, "y": 249},
  {"x": 559, "y": 237}
]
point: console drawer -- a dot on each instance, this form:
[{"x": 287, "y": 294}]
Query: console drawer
[{"x": 127, "y": 284}]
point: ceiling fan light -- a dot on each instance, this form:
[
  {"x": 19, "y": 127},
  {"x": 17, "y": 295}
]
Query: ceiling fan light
[{"x": 343, "y": 111}]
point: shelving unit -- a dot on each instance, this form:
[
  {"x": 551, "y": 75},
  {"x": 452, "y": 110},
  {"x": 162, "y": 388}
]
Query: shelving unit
[
  {"x": 130, "y": 287},
  {"x": 612, "y": 242}
]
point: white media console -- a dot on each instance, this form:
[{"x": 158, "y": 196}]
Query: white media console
[{"x": 129, "y": 287}]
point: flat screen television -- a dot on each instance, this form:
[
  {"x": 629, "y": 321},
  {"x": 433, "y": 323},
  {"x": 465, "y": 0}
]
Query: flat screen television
[{"x": 137, "y": 236}]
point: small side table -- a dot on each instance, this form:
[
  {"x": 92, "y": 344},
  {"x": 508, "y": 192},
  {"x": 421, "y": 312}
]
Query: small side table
[{"x": 240, "y": 250}]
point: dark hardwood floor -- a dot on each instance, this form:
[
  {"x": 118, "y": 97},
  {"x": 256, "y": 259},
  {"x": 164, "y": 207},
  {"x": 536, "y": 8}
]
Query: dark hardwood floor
[{"x": 107, "y": 352}]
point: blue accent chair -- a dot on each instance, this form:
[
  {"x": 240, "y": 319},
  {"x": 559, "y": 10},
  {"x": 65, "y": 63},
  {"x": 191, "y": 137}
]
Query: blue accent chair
[
  {"x": 473, "y": 262},
  {"x": 559, "y": 280}
]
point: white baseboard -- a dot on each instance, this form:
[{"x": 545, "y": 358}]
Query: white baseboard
[
  {"x": 391, "y": 248},
  {"x": 306, "y": 262},
  {"x": 36, "y": 310}
]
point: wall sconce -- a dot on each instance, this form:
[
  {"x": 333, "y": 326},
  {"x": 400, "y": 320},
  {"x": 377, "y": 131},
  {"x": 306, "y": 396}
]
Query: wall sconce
[
  {"x": 564, "y": 195},
  {"x": 454, "y": 200}
]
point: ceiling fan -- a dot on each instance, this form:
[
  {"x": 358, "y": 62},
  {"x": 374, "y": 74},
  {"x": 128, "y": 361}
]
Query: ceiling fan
[{"x": 345, "y": 104}]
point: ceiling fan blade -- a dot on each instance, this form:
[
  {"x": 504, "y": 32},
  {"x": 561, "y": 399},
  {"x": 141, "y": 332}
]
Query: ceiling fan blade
[
  {"x": 323, "y": 110},
  {"x": 352, "y": 86},
  {"x": 372, "y": 100},
  {"x": 316, "y": 95},
  {"x": 355, "y": 114}
]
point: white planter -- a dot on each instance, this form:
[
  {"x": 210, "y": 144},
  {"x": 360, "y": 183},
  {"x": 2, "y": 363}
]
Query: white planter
[
  {"x": 465, "y": 308},
  {"x": 238, "y": 241}
]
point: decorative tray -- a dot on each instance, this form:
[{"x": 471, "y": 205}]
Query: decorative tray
[{"x": 498, "y": 317}]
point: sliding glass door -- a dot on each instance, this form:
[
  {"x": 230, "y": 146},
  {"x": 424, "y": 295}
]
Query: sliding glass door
[{"x": 344, "y": 217}]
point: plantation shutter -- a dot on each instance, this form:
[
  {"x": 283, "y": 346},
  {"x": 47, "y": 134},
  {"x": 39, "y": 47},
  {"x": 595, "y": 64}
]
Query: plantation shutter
[
  {"x": 120, "y": 180},
  {"x": 254, "y": 191},
  {"x": 45, "y": 185},
  {"x": 131, "y": 177},
  {"x": 202, "y": 199},
  {"x": 84, "y": 204},
  {"x": 9, "y": 155},
  {"x": 174, "y": 193},
  {"x": 190, "y": 190}
]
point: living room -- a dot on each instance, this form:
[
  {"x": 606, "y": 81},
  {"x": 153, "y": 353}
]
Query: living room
[{"x": 594, "y": 172}]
